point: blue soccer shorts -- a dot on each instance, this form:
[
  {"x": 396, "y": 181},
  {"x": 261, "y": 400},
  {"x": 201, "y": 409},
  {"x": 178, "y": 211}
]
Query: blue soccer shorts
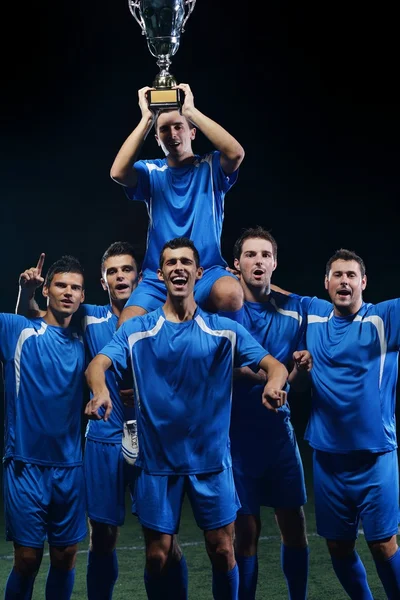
[
  {"x": 349, "y": 488},
  {"x": 212, "y": 496},
  {"x": 108, "y": 476},
  {"x": 275, "y": 478},
  {"x": 44, "y": 503},
  {"x": 151, "y": 293}
]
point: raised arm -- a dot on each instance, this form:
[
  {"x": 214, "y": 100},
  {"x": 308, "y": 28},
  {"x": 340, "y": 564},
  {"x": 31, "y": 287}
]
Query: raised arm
[
  {"x": 232, "y": 153},
  {"x": 96, "y": 380},
  {"x": 122, "y": 170},
  {"x": 273, "y": 395},
  {"x": 29, "y": 281}
]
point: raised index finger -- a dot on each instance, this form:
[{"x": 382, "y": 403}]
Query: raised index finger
[{"x": 39, "y": 265}]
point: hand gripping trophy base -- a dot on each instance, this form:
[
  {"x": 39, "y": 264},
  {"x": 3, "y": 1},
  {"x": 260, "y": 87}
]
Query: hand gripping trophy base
[{"x": 163, "y": 97}]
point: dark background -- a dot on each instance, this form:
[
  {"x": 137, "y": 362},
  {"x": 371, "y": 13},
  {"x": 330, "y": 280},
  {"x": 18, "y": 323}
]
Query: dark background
[{"x": 309, "y": 89}]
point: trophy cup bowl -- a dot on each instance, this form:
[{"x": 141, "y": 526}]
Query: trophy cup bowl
[{"x": 162, "y": 22}]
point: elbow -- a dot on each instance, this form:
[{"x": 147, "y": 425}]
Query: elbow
[
  {"x": 116, "y": 174},
  {"x": 237, "y": 156}
]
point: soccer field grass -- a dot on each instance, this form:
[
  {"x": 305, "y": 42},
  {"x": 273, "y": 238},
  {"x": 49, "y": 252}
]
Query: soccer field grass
[{"x": 322, "y": 581}]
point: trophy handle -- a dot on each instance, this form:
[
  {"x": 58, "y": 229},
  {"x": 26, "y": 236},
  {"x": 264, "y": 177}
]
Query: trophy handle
[
  {"x": 190, "y": 6},
  {"x": 134, "y": 7}
]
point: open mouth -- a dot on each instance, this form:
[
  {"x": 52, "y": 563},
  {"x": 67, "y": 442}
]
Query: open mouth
[
  {"x": 121, "y": 287},
  {"x": 258, "y": 272},
  {"x": 179, "y": 281},
  {"x": 343, "y": 293}
]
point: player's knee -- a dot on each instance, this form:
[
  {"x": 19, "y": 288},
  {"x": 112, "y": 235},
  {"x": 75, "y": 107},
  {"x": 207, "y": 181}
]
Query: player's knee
[
  {"x": 292, "y": 525},
  {"x": 383, "y": 549},
  {"x": 27, "y": 560},
  {"x": 226, "y": 295},
  {"x": 247, "y": 533},
  {"x": 64, "y": 557},
  {"x": 219, "y": 546},
  {"x": 341, "y": 548},
  {"x": 156, "y": 560},
  {"x": 103, "y": 537}
]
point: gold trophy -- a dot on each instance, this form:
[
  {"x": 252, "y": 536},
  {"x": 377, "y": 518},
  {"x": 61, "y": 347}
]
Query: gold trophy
[{"x": 162, "y": 22}]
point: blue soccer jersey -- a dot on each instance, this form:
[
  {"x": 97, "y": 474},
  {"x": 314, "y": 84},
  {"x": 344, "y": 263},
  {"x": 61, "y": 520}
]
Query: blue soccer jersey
[
  {"x": 99, "y": 325},
  {"x": 43, "y": 368},
  {"x": 183, "y": 201},
  {"x": 183, "y": 378},
  {"x": 354, "y": 377},
  {"x": 278, "y": 325}
]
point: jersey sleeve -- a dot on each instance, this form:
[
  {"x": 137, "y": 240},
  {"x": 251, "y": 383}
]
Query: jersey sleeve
[
  {"x": 118, "y": 351},
  {"x": 389, "y": 311},
  {"x": 8, "y": 333},
  {"x": 222, "y": 181},
  {"x": 142, "y": 189},
  {"x": 248, "y": 352}
]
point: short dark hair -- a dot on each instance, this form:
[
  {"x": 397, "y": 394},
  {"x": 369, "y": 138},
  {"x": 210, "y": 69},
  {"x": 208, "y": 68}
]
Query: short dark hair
[
  {"x": 118, "y": 249},
  {"x": 180, "y": 242},
  {"x": 255, "y": 232},
  {"x": 344, "y": 254},
  {"x": 65, "y": 264}
]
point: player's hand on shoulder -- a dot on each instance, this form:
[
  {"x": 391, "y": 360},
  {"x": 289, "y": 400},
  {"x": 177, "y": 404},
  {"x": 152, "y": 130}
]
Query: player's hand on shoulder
[
  {"x": 98, "y": 401},
  {"x": 273, "y": 398},
  {"x": 303, "y": 360},
  {"x": 31, "y": 279},
  {"x": 233, "y": 272}
]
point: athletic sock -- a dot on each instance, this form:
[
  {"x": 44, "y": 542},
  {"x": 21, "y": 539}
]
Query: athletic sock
[
  {"x": 225, "y": 586},
  {"x": 59, "y": 584},
  {"x": 294, "y": 562},
  {"x": 352, "y": 575},
  {"x": 19, "y": 587},
  {"x": 235, "y": 315},
  {"x": 101, "y": 575},
  {"x": 171, "y": 585},
  {"x": 248, "y": 575},
  {"x": 389, "y": 574}
]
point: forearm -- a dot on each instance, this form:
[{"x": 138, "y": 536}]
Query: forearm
[
  {"x": 277, "y": 374},
  {"x": 27, "y": 305},
  {"x": 121, "y": 170},
  {"x": 96, "y": 375},
  {"x": 218, "y": 136}
]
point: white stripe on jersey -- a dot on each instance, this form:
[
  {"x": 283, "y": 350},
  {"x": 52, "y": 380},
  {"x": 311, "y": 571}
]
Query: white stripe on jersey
[
  {"x": 376, "y": 321},
  {"x": 287, "y": 313},
  {"x": 380, "y": 327},
  {"x": 88, "y": 320},
  {"x": 154, "y": 167},
  {"x": 135, "y": 337},
  {"x": 24, "y": 335},
  {"x": 227, "y": 333},
  {"x": 318, "y": 319}
]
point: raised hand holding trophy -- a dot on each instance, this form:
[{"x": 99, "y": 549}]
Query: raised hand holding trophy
[{"x": 162, "y": 22}]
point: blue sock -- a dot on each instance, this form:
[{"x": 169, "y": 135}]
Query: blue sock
[
  {"x": 248, "y": 575},
  {"x": 389, "y": 574},
  {"x": 59, "y": 584},
  {"x": 18, "y": 587},
  {"x": 352, "y": 575},
  {"x": 225, "y": 586},
  {"x": 235, "y": 315},
  {"x": 101, "y": 575},
  {"x": 294, "y": 562},
  {"x": 173, "y": 585}
]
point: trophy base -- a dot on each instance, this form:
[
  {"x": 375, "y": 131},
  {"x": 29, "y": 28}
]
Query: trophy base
[{"x": 161, "y": 99}]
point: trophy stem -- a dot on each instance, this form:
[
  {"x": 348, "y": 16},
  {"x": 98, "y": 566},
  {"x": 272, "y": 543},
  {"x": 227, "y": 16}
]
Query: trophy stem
[{"x": 164, "y": 79}]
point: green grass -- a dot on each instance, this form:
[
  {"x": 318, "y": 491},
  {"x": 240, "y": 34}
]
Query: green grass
[{"x": 323, "y": 584}]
